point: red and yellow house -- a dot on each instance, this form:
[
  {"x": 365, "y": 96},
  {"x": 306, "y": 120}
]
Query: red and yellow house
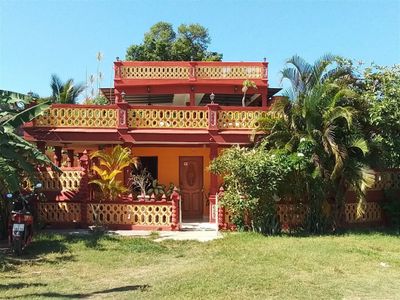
[{"x": 175, "y": 115}]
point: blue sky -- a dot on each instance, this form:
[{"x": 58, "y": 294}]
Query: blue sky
[{"x": 38, "y": 38}]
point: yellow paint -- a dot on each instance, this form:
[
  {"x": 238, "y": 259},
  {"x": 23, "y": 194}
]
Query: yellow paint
[{"x": 168, "y": 164}]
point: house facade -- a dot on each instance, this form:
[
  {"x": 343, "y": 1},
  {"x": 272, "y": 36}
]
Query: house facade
[{"x": 176, "y": 117}]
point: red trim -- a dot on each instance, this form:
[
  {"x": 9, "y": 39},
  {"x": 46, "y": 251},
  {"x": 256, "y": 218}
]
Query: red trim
[
  {"x": 83, "y": 106},
  {"x": 167, "y": 107}
]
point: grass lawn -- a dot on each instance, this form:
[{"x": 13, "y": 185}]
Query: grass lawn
[{"x": 240, "y": 266}]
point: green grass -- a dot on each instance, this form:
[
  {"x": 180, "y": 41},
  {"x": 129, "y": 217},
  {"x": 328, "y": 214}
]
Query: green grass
[{"x": 240, "y": 266}]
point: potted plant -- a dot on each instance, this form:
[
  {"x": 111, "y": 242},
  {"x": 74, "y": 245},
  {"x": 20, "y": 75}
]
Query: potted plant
[
  {"x": 156, "y": 189},
  {"x": 141, "y": 180}
]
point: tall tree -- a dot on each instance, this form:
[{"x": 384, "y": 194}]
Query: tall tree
[
  {"x": 65, "y": 92},
  {"x": 161, "y": 43},
  {"x": 319, "y": 116}
]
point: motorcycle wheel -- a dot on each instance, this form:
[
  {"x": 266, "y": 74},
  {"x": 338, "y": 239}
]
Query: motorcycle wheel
[{"x": 17, "y": 247}]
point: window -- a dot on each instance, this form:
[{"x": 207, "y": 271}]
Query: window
[{"x": 150, "y": 163}]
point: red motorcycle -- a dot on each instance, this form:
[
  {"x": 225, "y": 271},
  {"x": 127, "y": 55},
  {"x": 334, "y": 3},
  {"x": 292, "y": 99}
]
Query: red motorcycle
[{"x": 21, "y": 221}]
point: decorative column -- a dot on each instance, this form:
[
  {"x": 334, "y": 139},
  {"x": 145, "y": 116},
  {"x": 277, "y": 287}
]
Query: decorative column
[
  {"x": 221, "y": 211},
  {"x": 213, "y": 109},
  {"x": 192, "y": 71},
  {"x": 117, "y": 96},
  {"x": 264, "y": 93},
  {"x": 192, "y": 97},
  {"x": 175, "y": 210},
  {"x": 84, "y": 187},
  {"x": 70, "y": 157},
  {"x": 122, "y": 121},
  {"x": 58, "y": 156},
  {"x": 213, "y": 186},
  {"x": 117, "y": 69},
  {"x": 264, "y": 98}
]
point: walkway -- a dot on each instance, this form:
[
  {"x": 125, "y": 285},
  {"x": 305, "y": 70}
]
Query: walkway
[{"x": 202, "y": 232}]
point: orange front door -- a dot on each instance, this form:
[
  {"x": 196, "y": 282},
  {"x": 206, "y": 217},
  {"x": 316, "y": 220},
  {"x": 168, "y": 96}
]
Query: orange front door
[{"x": 191, "y": 185}]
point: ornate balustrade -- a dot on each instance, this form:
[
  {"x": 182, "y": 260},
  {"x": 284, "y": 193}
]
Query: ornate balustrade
[
  {"x": 155, "y": 72},
  {"x": 138, "y": 214},
  {"x": 373, "y": 213},
  {"x": 60, "y": 115},
  {"x": 230, "y": 72},
  {"x": 59, "y": 212},
  {"x": 387, "y": 179},
  {"x": 68, "y": 180},
  {"x": 239, "y": 118},
  {"x": 172, "y": 118},
  {"x": 291, "y": 215},
  {"x": 154, "y": 117},
  {"x": 144, "y": 214},
  {"x": 190, "y": 70}
]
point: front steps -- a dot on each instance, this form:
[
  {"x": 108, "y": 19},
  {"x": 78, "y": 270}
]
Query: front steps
[{"x": 198, "y": 226}]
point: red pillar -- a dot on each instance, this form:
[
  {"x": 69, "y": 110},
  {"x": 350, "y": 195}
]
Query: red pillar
[
  {"x": 58, "y": 156},
  {"x": 70, "y": 157},
  {"x": 264, "y": 99},
  {"x": 192, "y": 98},
  {"x": 84, "y": 187},
  {"x": 213, "y": 186},
  {"x": 221, "y": 211},
  {"x": 213, "y": 116},
  {"x": 175, "y": 210}
]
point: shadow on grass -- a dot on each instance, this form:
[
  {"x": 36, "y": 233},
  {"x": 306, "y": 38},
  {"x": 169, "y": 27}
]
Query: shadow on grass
[
  {"x": 91, "y": 240},
  {"x": 20, "y": 285},
  {"x": 127, "y": 288}
]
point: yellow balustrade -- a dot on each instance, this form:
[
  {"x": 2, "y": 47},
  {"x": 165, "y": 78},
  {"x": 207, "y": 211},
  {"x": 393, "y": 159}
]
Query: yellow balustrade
[
  {"x": 78, "y": 117},
  {"x": 229, "y": 72},
  {"x": 131, "y": 214},
  {"x": 167, "y": 118},
  {"x": 386, "y": 180},
  {"x": 155, "y": 72},
  {"x": 290, "y": 214},
  {"x": 62, "y": 212},
  {"x": 200, "y": 72},
  {"x": 373, "y": 213},
  {"x": 237, "y": 119},
  {"x": 69, "y": 180}
]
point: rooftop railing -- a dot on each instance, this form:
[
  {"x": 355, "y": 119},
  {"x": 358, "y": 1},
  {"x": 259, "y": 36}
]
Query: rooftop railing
[{"x": 194, "y": 71}]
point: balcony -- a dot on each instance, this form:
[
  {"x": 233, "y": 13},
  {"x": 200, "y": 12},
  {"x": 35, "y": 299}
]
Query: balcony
[{"x": 211, "y": 117}]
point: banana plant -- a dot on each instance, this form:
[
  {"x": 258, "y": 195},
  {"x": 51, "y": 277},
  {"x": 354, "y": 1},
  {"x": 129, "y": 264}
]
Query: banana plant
[
  {"x": 111, "y": 164},
  {"x": 18, "y": 158}
]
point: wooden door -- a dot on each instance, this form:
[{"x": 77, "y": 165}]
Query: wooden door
[{"x": 191, "y": 186}]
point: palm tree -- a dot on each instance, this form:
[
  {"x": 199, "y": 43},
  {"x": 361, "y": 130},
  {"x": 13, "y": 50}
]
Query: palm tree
[
  {"x": 319, "y": 112},
  {"x": 245, "y": 87},
  {"x": 67, "y": 92}
]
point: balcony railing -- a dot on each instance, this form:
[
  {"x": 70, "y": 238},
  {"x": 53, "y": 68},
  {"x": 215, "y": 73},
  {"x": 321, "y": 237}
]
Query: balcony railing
[
  {"x": 78, "y": 116},
  {"x": 150, "y": 117},
  {"x": 190, "y": 70}
]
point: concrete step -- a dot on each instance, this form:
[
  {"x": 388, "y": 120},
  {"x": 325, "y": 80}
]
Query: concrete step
[{"x": 198, "y": 226}]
